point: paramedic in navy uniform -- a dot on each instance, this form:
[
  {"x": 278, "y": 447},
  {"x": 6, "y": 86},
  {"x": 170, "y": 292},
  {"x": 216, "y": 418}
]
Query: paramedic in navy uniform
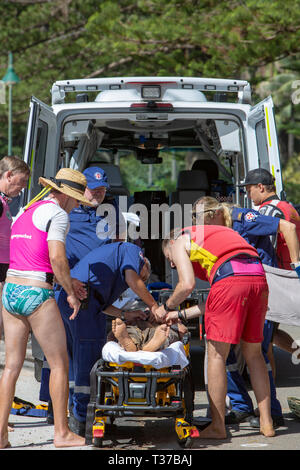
[
  {"x": 108, "y": 271},
  {"x": 88, "y": 230}
]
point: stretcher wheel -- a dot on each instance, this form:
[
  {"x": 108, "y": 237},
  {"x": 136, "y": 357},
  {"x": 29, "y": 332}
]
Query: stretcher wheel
[
  {"x": 186, "y": 443},
  {"x": 98, "y": 441},
  {"x": 189, "y": 394},
  {"x": 112, "y": 420}
]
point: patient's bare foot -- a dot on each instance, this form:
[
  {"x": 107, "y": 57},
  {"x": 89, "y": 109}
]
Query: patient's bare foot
[
  {"x": 120, "y": 331},
  {"x": 160, "y": 335},
  {"x": 119, "y": 328}
]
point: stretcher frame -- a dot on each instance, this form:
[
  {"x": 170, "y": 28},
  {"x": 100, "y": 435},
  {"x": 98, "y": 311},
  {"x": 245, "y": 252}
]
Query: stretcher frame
[{"x": 168, "y": 392}]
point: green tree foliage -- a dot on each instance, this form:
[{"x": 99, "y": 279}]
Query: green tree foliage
[
  {"x": 141, "y": 177},
  {"x": 291, "y": 176},
  {"x": 208, "y": 38},
  {"x": 44, "y": 37},
  {"x": 284, "y": 85}
]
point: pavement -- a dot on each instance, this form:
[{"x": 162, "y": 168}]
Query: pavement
[{"x": 157, "y": 436}]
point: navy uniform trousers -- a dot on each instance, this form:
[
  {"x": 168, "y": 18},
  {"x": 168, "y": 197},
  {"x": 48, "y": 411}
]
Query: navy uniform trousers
[{"x": 86, "y": 336}]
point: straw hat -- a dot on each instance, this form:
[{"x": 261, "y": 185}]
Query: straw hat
[{"x": 69, "y": 182}]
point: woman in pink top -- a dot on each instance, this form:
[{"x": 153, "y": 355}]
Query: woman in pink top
[
  {"x": 37, "y": 254},
  {"x": 14, "y": 174}
]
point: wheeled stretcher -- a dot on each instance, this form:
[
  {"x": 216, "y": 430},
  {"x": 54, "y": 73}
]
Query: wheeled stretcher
[{"x": 139, "y": 390}]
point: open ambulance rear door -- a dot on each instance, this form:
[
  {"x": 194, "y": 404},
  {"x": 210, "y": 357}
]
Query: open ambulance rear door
[
  {"x": 262, "y": 144},
  {"x": 39, "y": 152}
]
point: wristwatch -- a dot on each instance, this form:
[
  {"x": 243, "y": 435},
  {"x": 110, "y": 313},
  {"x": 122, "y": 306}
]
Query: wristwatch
[
  {"x": 182, "y": 317},
  {"x": 295, "y": 265},
  {"x": 123, "y": 315},
  {"x": 167, "y": 309}
]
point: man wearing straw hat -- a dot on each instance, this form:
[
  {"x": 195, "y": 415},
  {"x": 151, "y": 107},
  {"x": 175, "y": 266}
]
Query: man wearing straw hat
[{"x": 37, "y": 255}]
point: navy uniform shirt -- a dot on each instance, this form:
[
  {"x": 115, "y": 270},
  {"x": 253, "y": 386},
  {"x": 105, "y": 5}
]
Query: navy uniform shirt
[
  {"x": 256, "y": 229},
  {"x": 104, "y": 270},
  {"x": 83, "y": 235}
]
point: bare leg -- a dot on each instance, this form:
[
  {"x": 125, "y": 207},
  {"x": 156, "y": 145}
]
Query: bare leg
[
  {"x": 217, "y": 353},
  {"x": 16, "y": 337},
  {"x": 261, "y": 385},
  {"x": 10, "y": 425},
  {"x": 270, "y": 356},
  {"x": 160, "y": 335},
  {"x": 120, "y": 331},
  {"x": 49, "y": 331}
]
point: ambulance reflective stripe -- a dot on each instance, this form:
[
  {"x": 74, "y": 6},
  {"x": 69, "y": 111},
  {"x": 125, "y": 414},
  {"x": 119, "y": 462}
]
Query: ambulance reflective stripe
[
  {"x": 268, "y": 126},
  {"x": 232, "y": 367},
  {"x": 45, "y": 364},
  {"x": 82, "y": 389},
  {"x": 269, "y": 368}
]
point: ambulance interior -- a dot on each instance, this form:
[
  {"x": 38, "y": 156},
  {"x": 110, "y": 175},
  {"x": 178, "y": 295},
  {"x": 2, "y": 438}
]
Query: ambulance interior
[{"x": 205, "y": 157}]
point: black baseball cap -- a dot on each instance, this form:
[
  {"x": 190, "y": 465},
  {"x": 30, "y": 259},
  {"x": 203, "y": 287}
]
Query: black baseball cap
[{"x": 259, "y": 175}]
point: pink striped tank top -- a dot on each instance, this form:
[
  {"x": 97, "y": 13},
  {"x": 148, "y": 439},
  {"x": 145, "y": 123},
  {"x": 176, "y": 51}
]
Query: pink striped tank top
[{"x": 28, "y": 244}]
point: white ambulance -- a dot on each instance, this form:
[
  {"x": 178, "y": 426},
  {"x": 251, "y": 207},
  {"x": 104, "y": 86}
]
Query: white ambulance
[{"x": 149, "y": 117}]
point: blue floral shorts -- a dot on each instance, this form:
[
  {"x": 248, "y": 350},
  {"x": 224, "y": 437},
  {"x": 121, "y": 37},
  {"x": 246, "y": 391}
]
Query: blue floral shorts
[{"x": 24, "y": 300}]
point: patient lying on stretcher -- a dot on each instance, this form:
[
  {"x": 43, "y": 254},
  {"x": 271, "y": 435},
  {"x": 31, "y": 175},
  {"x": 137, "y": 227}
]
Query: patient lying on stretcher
[{"x": 145, "y": 336}]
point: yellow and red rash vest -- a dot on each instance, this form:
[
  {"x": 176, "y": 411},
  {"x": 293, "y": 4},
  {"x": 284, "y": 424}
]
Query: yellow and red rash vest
[
  {"x": 213, "y": 245},
  {"x": 283, "y": 210}
]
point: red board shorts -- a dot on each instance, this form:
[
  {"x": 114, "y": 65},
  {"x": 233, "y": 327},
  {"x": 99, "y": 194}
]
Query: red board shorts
[{"x": 236, "y": 308}]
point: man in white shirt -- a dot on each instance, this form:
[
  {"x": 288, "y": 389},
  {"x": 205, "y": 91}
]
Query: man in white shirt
[{"x": 38, "y": 255}]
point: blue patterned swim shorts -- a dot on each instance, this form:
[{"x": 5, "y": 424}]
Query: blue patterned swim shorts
[{"x": 24, "y": 300}]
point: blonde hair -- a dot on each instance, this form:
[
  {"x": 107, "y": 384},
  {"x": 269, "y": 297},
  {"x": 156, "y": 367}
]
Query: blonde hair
[
  {"x": 210, "y": 206},
  {"x": 14, "y": 164}
]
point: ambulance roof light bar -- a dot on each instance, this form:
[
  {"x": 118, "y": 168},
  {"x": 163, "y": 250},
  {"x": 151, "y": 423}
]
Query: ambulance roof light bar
[{"x": 61, "y": 87}]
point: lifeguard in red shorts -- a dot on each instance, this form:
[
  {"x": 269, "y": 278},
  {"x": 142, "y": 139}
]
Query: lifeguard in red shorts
[{"x": 235, "y": 309}]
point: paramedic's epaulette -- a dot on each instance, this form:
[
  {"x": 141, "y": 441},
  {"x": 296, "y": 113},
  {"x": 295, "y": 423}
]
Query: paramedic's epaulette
[{"x": 237, "y": 215}]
